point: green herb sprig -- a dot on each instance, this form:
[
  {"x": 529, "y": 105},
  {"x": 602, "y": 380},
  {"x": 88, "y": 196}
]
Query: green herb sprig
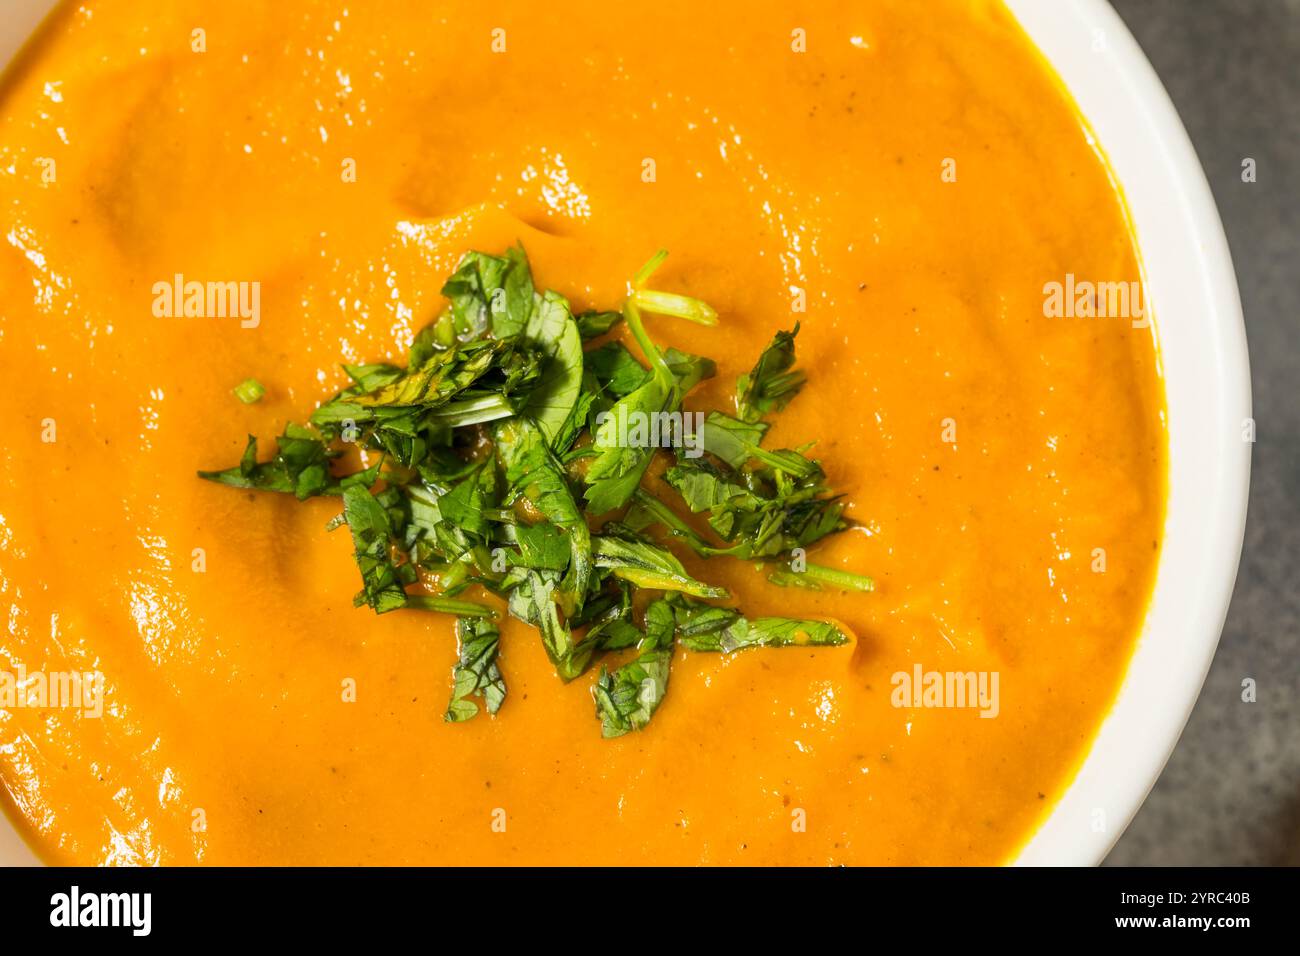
[{"x": 496, "y": 457}]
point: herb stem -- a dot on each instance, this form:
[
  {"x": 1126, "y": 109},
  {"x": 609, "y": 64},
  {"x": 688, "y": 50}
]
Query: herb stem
[
  {"x": 790, "y": 463},
  {"x": 646, "y": 271},
  {"x": 651, "y": 351},
  {"x": 250, "y": 390},
  {"x": 473, "y": 411},
  {"x": 676, "y": 306},
  {"x": 429, "y": 602},
  {"x": 670, "y": 520},
  {"x": 815, "y": 575}
]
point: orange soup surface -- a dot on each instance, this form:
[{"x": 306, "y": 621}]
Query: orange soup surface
[{"x": 900, "y": 178}]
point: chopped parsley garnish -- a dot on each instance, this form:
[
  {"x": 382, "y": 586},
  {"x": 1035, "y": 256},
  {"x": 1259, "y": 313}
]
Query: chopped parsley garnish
[
  {"x": 250, "y": 390},
  {"x": 499, "y": 458}
]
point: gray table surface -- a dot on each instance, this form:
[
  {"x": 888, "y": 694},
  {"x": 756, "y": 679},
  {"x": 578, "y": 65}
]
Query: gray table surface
[{"x": 1230, "y": 794}]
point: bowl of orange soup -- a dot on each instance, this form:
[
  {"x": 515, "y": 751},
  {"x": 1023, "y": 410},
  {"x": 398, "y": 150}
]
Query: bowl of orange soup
[{"x": 381, "y": 494}]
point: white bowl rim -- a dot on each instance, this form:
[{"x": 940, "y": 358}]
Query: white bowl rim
[
  {"x": 1192, "y": 289},
  {"x": 1208, "y": 394}
]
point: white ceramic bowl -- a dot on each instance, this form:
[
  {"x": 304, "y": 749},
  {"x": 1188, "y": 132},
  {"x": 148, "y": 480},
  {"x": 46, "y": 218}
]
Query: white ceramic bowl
[{"x": 1192, "y": 292}]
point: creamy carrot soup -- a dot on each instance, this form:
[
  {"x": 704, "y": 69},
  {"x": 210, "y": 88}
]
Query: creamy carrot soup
[{"x": 904, "y": 180}]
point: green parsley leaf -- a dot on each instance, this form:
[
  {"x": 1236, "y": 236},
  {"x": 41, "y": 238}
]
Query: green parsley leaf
[
  {"x": 371, "y": 535},
  {"x": 491, "y": 293},
  {"x": 595, "y": 324},
  {"x": 301, "y": 467},
  {"x": 772, "y": 383},
  {"x": 627, "y": 698},
  {"x": 476, "y": 673},
  {"x": 552, "y": 330}
]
